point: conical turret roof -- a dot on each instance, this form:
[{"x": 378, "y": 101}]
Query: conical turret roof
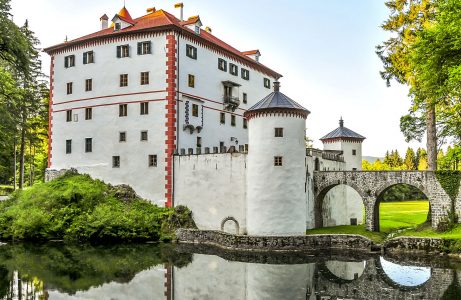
[{"x": 342, "y": 132}]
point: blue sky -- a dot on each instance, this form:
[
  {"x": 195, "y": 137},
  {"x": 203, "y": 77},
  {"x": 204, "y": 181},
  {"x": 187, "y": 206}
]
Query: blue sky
[{"x": 324, "y": 49}]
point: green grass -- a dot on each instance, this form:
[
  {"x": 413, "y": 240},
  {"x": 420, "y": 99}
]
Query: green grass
[{"x": 393, "y": 216}]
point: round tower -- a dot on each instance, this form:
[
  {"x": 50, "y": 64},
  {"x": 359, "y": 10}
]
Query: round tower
[{"x": 276, "y": 174}]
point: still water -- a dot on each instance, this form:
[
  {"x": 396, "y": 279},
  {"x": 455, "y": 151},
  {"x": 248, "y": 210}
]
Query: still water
[{"x": 59, "y": 271}]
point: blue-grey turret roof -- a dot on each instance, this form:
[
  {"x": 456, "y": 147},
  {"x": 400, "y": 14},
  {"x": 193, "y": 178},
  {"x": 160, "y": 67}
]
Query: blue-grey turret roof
[
  {"x": 343, "y": 132},
  {"x": 275, "y": 100}
]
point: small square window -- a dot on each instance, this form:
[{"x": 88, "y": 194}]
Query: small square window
[
  {"x": 144, "y": 78},
  {"x": 245, "y": 98},
  {"x": 118, "y": 26},
  {"x": 122, "y": 136},
  {"x": 234, "y": 70},
  {"x": 354, "y": 152},
  {"x": 88, "y": 57},
  {"x": 69, "y": 88},
  {"x": 88, "y": 113},
  {"x": 222, "y": 64},
  {"x": 278, "y": 132},
  {"x": 144, "y": 135},
  {"x": 88, "y": 85},
  {"x": 144, "y": 48},
  {"x": 191, "y": 81},
  {"x": 278, "y": 162},
  {"x": 123, "y": 51},
  {"x": 194, "y": 110},
  {"x": 191, "y": 51},
  {"x": 123, "y": 80},
  {"x": 222, "y": 118},
  {"x": 245, "y": 123},
  {"x": 115, "y": 161},
  {"x": 199, "y": 142},
  {"x": 144, "y": 108},
  {"x": 123, "y": 110},
  {"x": 152, "y": 160},
  {"x": 69, "y": 115},
  {"x": 267, "y": 83},
  {"x": 245, "y": 74},
  {"x": 69, "y": 61},
  {"x": 68, "y": 146},
  {"x": 88, "y": 145},
  {"x": 232, "y": 120}
]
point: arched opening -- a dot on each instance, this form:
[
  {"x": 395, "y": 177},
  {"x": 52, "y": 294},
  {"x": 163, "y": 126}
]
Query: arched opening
[
  {"x": 403, "y": 276},
  {"x": 339, "y": 205},
  {"x": 345, "y": 271},
  {"x": 230, "y": 225},
  {"x": 401, "y": 206}
]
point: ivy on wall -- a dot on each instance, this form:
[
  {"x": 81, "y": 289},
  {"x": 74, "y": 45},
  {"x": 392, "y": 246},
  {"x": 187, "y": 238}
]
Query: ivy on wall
[{"x": 450, "y": 181}]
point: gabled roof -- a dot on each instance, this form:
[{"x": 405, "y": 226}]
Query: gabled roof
[
  {"x": 192, "y": 20},
  {"x": 124, "y": 15},
  {"x": 157, "y": 21},
  {"x": 342, "y": 132},
  {"x": 251, "y": 52},
  {"x": 276, "y": 100}
]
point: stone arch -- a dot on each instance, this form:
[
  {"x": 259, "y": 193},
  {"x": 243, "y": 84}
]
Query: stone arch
[
  {"x": 320, "y": 196},
  {"x": 392, "y": 283},
  {"x": 232, "y": 219},
  {"x": 382, "y": 189},
  {"x": 331, "y": 276}
]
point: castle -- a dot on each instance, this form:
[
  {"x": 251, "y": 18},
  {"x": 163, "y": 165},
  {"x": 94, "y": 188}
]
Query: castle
[{"x": 161, "y": 104}]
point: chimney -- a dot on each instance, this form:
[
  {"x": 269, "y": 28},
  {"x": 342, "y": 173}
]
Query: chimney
[
  {"x": 341, "y": 122},
  {"x": 104, "y": 22},
  {"x": 208, "y": 29},
  {"x": 276, "y": 86},
  {"x": 151, "y": 10},
  {"x": 181, "y": 6}
]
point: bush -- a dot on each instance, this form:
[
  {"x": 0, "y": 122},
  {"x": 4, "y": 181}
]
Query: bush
[
  {"x": 5, "y": 190},
  {"x": 78, "y": 208}
]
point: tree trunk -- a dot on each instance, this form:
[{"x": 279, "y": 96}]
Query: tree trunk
[
  {"x": 15, "y": 163},
  {"x": 22, "y": 151},
  {"x": 431, "y": 138}
]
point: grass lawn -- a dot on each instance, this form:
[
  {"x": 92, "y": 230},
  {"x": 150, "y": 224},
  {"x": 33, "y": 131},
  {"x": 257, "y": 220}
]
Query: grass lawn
[{"x": 393, "y": 216}]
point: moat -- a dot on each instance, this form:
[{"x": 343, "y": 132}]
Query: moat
[{"x": 166, "y": 271}]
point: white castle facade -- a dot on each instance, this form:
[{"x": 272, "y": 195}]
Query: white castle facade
[{"x": 164, "y": 106}]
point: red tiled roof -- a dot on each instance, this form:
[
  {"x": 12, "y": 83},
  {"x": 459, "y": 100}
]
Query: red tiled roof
[
  {"x": 251, "y": 52},
  {"x": 191, "y": 20},
  {"x": 104, "y": 17},
  {"x": 125, "y": 15},
  {"x": 159, "y": 20}
]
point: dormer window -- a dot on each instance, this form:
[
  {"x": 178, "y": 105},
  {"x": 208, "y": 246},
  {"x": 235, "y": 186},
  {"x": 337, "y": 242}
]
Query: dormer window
[
  {"x": 118, "y": 26},
  {"x": 197, "y": 29}
]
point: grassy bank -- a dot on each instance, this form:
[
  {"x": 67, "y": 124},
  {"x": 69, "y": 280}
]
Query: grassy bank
[
  {"x": 78, "y": 208},
  {"x": 394, "y": 216}
]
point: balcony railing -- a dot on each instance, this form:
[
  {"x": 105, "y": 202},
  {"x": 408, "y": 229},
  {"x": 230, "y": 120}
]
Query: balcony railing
[{"x": 230, "y": 102}]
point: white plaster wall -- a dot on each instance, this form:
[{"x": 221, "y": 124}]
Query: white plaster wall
[
  {"x": 213, "y": 187},
  {"x": 352, "y": 161},
  {"x": 276, "y": 196},
  {"x": 106, "y": 124},
  {"x": 209, "y": 93},
  {"x": 210, "y": 277}
]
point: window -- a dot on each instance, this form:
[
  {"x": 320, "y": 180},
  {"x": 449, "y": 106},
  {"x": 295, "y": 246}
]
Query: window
[
  {"x": 144, "y": 78},
  {"x": 144, "y": 135},
  {"x": 88, "y": 85},
  {"x": 278, "y": 161},
  {"x": 222, "y": 64},
  {"x": 144, "y": 48},
  {"x": 234, "y": 70},
  {"x": 194, "y": 110},
  {"x": 88, "y": 145},
  {"x": 123, "y": 110},
  {"x": 115, "y": 161},
  {"x": 245, "y": 123},
  {"x": 68, "y": 146},
  {"x": 118, "y": 26},
  {"x": 88, "y": 113},
  {"x": 123, "y": 80},
  {"x": 123, "y": 51},
  {"x": 278, "y": 132},
  {"x": 197, "y": 29},
  {"x": 232, "y": 120},
  {"x": 122, "y": 136},
  {"x": 144, "y": 108},
  {"x": 69, "y": 61},
  {"x": 245, "y": 74},
  {"x": 245, "y": 98},
  {"x": 88, "y": 57},
  {"x": 69, "y": 88},
  {"x": 191, "y": 51},
  {"x": 354, "y": 152},
  {"x": 69, "y": 115},
  {"x": 267, "y": 83},
  {"x": 152, "y": 160},
  {"x": 223, "y": 118},
  {"x": 199, "y": 142},
  {"x": 354, "y": 169},
  {"x": 191, "y": 80}
]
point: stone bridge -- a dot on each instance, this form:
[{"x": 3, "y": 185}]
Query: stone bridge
[{"x": 371, "y": 185}]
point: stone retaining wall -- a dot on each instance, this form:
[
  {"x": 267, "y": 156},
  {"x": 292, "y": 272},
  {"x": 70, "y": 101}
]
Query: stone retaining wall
[
  {"x": 273, "y": 243},
  {"x": 419, "y": 244}
]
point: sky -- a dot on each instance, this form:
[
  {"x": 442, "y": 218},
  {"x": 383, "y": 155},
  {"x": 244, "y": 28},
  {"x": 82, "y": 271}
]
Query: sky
[{"x": 324, "y": 49}]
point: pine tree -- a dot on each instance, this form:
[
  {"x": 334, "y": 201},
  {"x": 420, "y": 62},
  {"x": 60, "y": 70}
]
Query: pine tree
[{"x": 410, "y": 159}]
